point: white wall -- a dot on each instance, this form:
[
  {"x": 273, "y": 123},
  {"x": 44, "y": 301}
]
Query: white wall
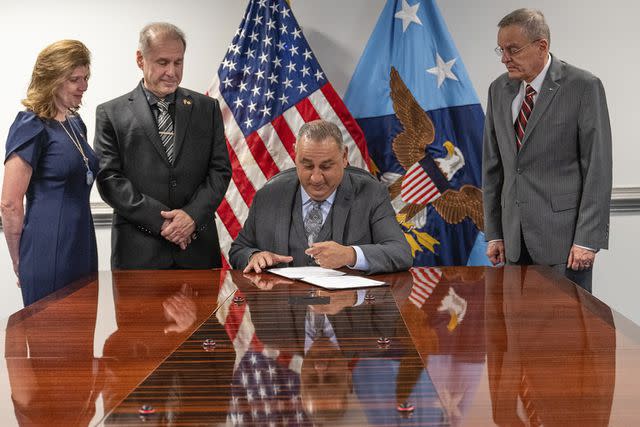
[
  {"x": 602, "y": 38},
  {"x": 589, "y": 33},
  {"x": 598, "y": 36}
]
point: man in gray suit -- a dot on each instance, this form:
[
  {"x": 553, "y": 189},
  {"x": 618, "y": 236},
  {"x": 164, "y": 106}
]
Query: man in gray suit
[
  {"x": 547, "y": 156},
  {"x": 322, "y": 211},
  {"x": 164, "y": 165}
]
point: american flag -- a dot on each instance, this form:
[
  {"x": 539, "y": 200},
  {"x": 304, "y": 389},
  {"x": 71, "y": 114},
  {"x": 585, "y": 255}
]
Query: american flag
[
  {"x": 425, "y": 280},
  {"x": 266, "y": 381},
  {"x": 268, "y": 85},
  {"x": 417, "y": 186},
  {"x": 265, "y": 393}
]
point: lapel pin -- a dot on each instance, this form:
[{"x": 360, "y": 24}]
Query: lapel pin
[{"x": 186, "y": 101}]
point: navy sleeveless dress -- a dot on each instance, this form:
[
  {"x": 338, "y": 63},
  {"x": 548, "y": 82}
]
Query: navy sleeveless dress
[{"x": 58, "y": 243}]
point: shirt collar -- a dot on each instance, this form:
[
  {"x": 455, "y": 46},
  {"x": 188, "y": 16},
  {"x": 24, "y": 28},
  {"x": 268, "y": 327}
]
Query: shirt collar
[
  {"x": 153, "y": 99},
  {"x": 537, "y": 82},
  {"x": 307, "y": 199}
]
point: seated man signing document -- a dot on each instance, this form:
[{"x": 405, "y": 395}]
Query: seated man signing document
[{"x": 323, "y": 213}]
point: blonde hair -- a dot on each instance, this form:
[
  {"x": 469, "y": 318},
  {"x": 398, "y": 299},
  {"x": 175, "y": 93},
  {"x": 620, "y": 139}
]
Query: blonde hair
[{"x": 54, "y": 64}]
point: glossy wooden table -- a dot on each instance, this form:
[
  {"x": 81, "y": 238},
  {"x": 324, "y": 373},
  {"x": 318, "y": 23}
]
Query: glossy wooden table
[{"x": 458, "y": 346}]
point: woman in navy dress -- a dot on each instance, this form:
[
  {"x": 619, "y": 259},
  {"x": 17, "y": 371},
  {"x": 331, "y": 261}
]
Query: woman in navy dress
[{"x": 49, "y": 161}]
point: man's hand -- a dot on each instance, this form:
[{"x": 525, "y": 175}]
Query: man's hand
[
  {"x": 177, "y": 227},
  {"x": 184, "y": 243},
  {"x": 337, "y": 302},
  {"x": 495, "y": 252},
  {"x": 264, "y": 259},
  {"x": 267, "y": 282},
  {"x": 331, "y": 254},
  {"x": 180, "y": 309},
  {"x": 580, "y": 258}
]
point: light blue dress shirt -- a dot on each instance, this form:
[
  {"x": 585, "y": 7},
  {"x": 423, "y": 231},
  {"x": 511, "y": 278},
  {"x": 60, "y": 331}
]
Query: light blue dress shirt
[
  {"x": 310, "y": 328},
  {"x": 361, "y": 260}
]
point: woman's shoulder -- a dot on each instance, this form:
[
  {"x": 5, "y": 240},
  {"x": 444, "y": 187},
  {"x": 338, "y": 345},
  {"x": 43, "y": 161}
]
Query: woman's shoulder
[{"x": 25, "y": 127}]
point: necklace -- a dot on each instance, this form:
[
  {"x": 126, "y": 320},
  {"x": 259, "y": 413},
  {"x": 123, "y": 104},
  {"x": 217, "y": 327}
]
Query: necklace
[{"x": 76, "y": 142}]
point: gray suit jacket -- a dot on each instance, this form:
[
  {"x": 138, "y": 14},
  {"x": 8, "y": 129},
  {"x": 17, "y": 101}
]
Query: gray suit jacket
[
  {"x": 362, "y": 216},
  {"x": 137, "y": 180},
  {"x": 557, "y": 188}
]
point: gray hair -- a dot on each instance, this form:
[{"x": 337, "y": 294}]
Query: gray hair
[
  {"x": 159, "y": 30},
  {"x": 531, "y": 21},
  {"x": 319, "y": 130}
]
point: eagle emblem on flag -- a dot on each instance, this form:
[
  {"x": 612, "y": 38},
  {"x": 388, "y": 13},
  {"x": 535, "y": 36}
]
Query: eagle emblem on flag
[{"x": 427, "y": 179}]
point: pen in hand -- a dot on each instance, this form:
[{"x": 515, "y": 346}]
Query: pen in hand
[{"x": 310, "y": 241}]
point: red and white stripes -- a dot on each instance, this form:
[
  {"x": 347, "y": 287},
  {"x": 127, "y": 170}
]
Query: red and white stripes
[
  {"x": 417, "y": 186},
  {"x": 260, "y": 155},
  {"x": 425, "y": 280}
]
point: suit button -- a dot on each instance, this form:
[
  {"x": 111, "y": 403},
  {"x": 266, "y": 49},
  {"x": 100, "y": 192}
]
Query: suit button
[
  {"x": 518, "y": 171},
  {"x": 518, "y": 203},
  {"x": 173, "y": 183}
]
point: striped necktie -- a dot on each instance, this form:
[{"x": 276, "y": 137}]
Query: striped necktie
[
  {"x": 523, "y": 116},
  {"x": 165, "y": 128},
  {"x": 527, "y": 402}
]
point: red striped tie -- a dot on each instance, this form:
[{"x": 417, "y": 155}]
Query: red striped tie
[
  {"x": 527, "y": 402},
  {"x": 523, "y": 117}
]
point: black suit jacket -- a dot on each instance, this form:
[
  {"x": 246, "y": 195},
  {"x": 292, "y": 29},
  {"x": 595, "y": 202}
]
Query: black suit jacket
[{"x": 137, "y": 180}]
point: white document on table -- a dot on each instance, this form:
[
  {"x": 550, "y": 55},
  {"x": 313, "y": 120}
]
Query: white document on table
[
  {"x": 303, "y": 272},
  {"x": 343, "y": 282}
]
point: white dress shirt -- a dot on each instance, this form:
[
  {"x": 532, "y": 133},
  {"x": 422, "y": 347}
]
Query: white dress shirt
[{"x": 535, "y": 84}]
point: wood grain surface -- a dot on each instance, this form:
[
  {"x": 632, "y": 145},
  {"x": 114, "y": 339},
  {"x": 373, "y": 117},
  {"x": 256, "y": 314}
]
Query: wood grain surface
[{"x": 459, "y": 346}]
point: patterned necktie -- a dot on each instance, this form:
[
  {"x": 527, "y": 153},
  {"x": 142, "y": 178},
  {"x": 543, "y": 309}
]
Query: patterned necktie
[
  {"x": 523, "y": 117},
  {"x": 165, "y": 128},
  {"x": 313, "y": 221},
  {"x": 319, "y": 323}
]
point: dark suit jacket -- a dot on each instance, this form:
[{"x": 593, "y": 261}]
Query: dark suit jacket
[
  {"x": 557, "y": 188},
  {"x": 362, "y": 216},
  {"x": 137, "y": 180}
]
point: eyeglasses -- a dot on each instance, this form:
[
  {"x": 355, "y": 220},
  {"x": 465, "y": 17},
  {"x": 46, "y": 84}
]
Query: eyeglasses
[{"x": 513, "y": 51}]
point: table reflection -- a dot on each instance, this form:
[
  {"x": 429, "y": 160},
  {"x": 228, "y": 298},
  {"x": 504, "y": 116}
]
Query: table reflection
[
  {"x": 551, "y": 363},
  {"x": 296, "y": 355},
  {"x": 60, "y": 369},
  {"x": 343, "y": 364},
  {"x": 444, "y": 309},
  {"x": 37, "y": 346},
  {"x": 533, "y": 348},
  {"x": 151, "y": 323},
  {"x": 451, "y": 346}
]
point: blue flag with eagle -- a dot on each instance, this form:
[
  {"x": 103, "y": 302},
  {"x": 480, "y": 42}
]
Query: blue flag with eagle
[{"x": 423, "y": 122}]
